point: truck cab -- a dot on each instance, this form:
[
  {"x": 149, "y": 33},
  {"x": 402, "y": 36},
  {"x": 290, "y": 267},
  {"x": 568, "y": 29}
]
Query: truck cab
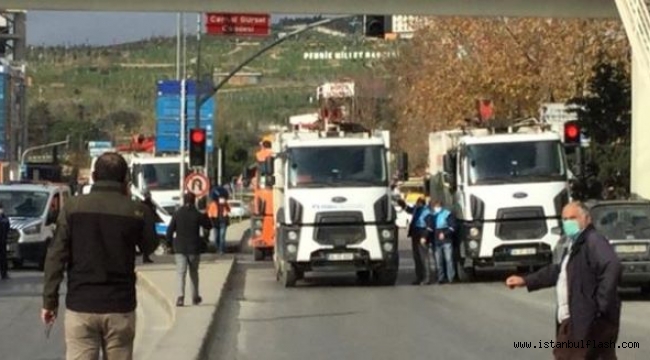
[
  {"x": 507, "y": 190},
  {"x": 32, "y": 210}
]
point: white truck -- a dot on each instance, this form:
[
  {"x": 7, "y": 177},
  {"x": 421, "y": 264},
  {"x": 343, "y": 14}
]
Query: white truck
[
  {"x": 507, "y": 189},
  {"x": 161, "y": 176},
  {"x": 333, "y": 204}
]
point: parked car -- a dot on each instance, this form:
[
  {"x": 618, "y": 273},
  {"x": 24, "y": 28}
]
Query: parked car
[
  {"x": 238, "y": 210},
  {"x": 626, "y": 224}
]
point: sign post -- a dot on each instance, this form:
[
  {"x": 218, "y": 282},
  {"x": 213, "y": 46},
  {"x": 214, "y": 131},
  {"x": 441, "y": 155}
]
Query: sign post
[{"x": 238, "y": 24}]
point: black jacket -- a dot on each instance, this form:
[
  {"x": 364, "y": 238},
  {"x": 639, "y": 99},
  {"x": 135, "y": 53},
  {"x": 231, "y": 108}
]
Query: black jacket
[
  {"x": 152, "y": 207},
  {"x": 186, "y": 223},
  {"x": 593, "y": 275},
  {"x": 96, "y": 236},
  {"x": 5, "y": 226}
]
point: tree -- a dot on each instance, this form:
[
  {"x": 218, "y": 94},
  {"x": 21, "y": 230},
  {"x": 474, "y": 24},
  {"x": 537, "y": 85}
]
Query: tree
[
  {"x": 605, "y": 115},
  {"x": 515, "y": 63}
]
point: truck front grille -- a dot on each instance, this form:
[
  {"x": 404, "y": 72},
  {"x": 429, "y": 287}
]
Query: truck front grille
[
  {"x": 521, "y": 223},
  {"x": 339, "y": 228}
]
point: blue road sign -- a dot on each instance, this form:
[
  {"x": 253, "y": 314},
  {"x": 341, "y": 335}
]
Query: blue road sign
[{"x": 168, "y": 115}]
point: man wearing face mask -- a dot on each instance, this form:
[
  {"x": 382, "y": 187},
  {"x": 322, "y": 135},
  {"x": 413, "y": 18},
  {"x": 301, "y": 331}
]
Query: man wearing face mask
[
  {"x": 586, "y": 281},
  {"x": 441, "y": 225}
]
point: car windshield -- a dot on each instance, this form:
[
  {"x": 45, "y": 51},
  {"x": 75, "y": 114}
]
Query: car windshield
[
  {"x": 338, "y": 166},
  {"x": 622, "y": 221},
  {"x": 530, "y": 161},
  {"x": 162, "y": 176},
  {"x": 24, "y": 203}
]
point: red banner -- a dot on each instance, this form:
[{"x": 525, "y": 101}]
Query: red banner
[{"x": 238, "y": 24}]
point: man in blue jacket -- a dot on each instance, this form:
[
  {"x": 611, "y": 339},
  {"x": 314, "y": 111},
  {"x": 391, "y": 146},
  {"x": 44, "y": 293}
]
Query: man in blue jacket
[
  {"x": 442, "y": 224},
  {"x": 419, "y": 240}
]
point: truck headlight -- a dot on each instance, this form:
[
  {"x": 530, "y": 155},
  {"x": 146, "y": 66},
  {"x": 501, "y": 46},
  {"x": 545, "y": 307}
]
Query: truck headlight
[
  {"x": 386, "y": 234},
  {"x": 474, "y": 232},
  {"x": 292, "y": 235},
  {"x": 473, "y": 244},
  {"x": 388, "y": 247},
  {"x": 258, "y": 232},
  {"x": 291, "y": 249},
  {"x": 33, "y": 229}
]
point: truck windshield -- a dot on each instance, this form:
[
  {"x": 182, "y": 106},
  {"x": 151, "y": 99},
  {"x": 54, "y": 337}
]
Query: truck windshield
[
  {"x": 21, "y": 203},
  {"x": 337, "y": 166},
  {"x": 164, "y": 176},
  {"x": 532, "y": 161}
]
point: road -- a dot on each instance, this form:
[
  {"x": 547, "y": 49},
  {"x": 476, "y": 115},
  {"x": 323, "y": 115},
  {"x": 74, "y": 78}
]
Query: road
[
  {"x": 334, "y": 318},
  {"x": 22, "y": 335}
]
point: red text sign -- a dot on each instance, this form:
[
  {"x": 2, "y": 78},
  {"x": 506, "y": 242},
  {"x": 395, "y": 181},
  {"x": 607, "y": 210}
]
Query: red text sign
[{"x": 238, "y": 24}]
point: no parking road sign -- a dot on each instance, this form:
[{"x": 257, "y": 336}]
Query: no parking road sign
[{"x": 198, "y": 184}]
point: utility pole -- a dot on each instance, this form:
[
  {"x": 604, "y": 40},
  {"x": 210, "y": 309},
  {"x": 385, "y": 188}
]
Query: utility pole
[
  {"x": 179, "y": 19},
  {"x": 197, "y": 108}
]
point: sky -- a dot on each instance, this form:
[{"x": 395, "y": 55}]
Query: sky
[{"x": 59, "y": 28}]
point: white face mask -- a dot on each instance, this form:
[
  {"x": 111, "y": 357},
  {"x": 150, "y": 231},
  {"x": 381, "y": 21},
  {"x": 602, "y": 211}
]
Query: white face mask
[
  {"x": 222, "y": 201},
  {"x": 437, "y": 209}
]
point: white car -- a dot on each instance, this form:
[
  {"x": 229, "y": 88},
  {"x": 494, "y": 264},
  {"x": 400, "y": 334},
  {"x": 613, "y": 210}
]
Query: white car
[{"x": 238, "y": 210}]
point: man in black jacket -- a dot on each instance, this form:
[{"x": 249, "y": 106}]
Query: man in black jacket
[
  {"x": 95, "y": 241},
  {"x": 186, "y": 223},
  {"x": 587, "y": 278},
  {"x": 148, "y": 202}
]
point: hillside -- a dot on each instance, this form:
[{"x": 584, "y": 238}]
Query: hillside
[{"x": 123, "y": 77}]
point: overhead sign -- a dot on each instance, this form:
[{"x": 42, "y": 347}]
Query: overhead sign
[
  {"x": 198, "y": 184},
  {"x": 238, "y": 24}
]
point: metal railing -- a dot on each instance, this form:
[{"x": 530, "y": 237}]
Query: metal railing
[{"x": 636, "y": 20}]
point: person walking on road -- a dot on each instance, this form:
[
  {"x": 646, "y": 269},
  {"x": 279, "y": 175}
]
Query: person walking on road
[
  {"x": 442, "y": 225},
  {"x": 219, "y": 214},
  {"x": 186, "y": 224},
  {"x": 95, "y": 241},
  {"x": 148, "y": 202},
  {"x": 586, "y": 281},
  {"x": 5, "y": 226},
  {"x": 419, "y": 240}
]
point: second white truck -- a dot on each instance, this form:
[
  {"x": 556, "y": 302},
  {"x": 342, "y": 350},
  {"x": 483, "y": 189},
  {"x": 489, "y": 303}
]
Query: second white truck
[{"x": 506, "y": 189}]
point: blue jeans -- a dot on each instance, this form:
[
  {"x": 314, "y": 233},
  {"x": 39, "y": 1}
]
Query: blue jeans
[
  {"x": 220, "y": 236},
  {"x": 446, "y": 249}
]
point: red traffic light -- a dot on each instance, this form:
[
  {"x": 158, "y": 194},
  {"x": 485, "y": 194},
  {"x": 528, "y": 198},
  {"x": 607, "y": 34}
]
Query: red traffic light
[
  {"x": 197, "y": 135},
  {"x": 572, "y": 131}
]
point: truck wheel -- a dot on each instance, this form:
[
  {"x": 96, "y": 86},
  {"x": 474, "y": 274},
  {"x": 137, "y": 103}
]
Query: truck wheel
[
  {"x": 244, "y": 247},
  {"x": 385, "y": 277},
  {"x": 17, "y": 263},
  {"x": 289, "y": 275},
  {"x": 258, "y": 254},
  {"x": 466, "y": 274}
]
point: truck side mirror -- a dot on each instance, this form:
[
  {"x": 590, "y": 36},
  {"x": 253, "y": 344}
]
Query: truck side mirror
[
  {"x": 51, "y": 217},
  {"x": 402, "y": 166}
]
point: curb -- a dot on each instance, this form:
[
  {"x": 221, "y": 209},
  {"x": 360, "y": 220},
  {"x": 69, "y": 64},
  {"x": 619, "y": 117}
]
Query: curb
[
  {"x": 209, "y": 335},
  {"x": 157, "y": 294},
  {"x": 171, "y": 345}
]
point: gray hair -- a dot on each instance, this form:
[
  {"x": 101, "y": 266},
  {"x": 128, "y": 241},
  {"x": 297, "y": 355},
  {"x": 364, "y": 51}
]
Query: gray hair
[{"x": 582, "y": 207}]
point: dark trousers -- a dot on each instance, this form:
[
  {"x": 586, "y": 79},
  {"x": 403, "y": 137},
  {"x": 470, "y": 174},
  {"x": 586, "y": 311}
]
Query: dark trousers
[
  {"x": 590, "y": 349},
  {"x": 421, "y": 256},
  {"x": 3, "y": 259}
]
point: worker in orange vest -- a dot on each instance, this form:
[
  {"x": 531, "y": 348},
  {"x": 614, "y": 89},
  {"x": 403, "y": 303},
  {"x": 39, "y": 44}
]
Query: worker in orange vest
[{"x": 219, "y": 214}]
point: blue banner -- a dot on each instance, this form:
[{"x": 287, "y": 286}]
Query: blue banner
[{"x": 168, "y": 115}]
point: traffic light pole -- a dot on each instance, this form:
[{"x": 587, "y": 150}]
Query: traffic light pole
[
  {"x": 257, "y": 54},
  {"x": 183, "y": 134}
]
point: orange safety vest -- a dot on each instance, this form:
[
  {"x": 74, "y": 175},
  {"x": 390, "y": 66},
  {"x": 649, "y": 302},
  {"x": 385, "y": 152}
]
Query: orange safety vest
[
  {"x": 262, "y": 154},
  {"x": 213, "y": 210}
]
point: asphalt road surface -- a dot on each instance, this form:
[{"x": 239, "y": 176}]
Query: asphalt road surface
[
  {"x": 22, "y": 335},
  {"x": 329, "y": 318}
]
